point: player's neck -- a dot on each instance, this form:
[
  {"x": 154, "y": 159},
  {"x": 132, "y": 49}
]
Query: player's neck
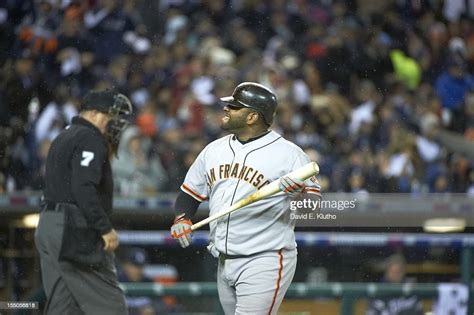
[{"x": 247, "y": 137}]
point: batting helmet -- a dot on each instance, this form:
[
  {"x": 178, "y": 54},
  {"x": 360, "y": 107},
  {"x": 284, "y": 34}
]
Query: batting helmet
[{"x": 255, "y": 96}]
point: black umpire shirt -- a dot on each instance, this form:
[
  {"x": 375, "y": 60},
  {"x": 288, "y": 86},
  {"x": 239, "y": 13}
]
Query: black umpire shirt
[{"x": 78, "y": 171}]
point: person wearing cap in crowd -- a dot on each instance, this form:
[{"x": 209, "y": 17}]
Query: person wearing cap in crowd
[
  {"x": 395, "y": 272},
  {"x": 132, "y": 270},
  {"x": 75, "y": 238}
]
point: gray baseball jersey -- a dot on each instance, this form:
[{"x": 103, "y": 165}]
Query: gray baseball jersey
[{"x": 226, "y": 171}]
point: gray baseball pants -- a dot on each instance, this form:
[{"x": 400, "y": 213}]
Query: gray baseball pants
[{"x": 256, "y": 284}]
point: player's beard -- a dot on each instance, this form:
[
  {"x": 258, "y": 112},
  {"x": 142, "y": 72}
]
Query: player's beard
[{"x": 233, "y": 124}]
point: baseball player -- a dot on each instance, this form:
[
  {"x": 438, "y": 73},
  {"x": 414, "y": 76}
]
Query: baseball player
[{"x": 256, "y": 245}]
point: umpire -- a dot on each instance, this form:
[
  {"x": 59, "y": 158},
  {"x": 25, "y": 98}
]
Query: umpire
[{"x": 75, "y": 237}]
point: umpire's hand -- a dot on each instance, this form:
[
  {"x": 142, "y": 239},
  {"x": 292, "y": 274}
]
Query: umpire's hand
[{"x": 110, "y": 240}]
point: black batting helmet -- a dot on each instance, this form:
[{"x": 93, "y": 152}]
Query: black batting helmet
[{"x": 255, "y": 96}]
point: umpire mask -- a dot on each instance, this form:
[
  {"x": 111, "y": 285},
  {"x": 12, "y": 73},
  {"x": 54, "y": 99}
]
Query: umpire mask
[
  {"x": 117, "y": 124},
  {"x": 117, "y": 106}
]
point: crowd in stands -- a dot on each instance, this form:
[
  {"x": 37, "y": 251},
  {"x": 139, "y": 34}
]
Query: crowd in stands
[{"x": 356, "y": 81}]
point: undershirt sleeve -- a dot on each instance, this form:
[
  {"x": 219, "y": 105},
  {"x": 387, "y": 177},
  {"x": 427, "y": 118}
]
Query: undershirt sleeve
[{"x": 186, "y": 204}]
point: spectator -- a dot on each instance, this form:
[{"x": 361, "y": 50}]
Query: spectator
[
  {"x": 20, "y": 84},
  {"x": 132, "y": 270},
  {"x": 137, "y": 168},
  {"x": 75, "y": 56},
  {"x": 452, "y": 86},
  {"x": 395, "y": 271},
  {"x": 356, "y": 183},
  {"x": 108, "y": 23},
  {"x": 470, "y": 188},
  {"x": 369, "y": 98},
  {"x": 342, "y": 88},
  {"x": 37, "y": 177}
]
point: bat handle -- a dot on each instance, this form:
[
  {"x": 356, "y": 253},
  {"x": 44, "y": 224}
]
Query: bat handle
[{"x": 200, "y": 224}]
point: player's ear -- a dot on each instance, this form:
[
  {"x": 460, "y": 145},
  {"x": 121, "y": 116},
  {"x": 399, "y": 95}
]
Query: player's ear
[{"x": 252, "y": 118}]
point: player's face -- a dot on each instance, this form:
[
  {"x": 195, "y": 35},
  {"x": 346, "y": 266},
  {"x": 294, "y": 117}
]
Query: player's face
[{"x": 235, "y": 118}]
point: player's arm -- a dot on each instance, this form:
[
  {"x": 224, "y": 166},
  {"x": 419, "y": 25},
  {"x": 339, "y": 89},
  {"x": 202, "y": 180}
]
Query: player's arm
[
  {"x": 185, "y": 208},
  {"x": 86, "y": 165},
  {"x": 194, "y": 190}
]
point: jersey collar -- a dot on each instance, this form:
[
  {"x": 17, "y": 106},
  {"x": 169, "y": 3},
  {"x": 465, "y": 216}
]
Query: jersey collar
[
  {"x": 78, "y": 120},
  {"x": 234, "y": 137}
]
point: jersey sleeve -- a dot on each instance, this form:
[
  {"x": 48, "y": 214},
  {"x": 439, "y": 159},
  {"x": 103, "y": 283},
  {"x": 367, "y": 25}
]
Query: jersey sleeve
[
  {"x": 195, "y": 182},
  {"x": 86, "y": 164},
  {"x": 312, "y": 185}
]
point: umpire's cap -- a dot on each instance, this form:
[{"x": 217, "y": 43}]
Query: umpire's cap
[
  {"x": 108, "y": 101},
  {"x": 255, "y": 96}
]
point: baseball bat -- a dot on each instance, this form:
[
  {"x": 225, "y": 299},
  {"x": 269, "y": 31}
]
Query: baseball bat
[{"x": 301, "y": 173}]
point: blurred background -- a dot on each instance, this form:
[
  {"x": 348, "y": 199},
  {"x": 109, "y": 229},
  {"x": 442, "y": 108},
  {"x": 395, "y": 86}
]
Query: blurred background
[{"x": 379, "y": 93}]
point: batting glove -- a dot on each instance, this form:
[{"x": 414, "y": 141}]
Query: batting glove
[
  {"x": 181, "y": 230},
  {"x": 291, "y": 186}
]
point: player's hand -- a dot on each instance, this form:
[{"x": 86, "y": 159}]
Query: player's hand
[
  {"x": 181, "y": 230},
  {"x": 291, "y": 186},
  {"x": 111, "y": 241}
]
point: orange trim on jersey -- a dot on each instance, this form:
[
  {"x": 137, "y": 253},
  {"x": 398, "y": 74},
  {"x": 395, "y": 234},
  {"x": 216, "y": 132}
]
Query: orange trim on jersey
[
  {"x": 280, "y": 270},
  {"x": 312, "y": 190},
  {"x": 193, "y": 194}
]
